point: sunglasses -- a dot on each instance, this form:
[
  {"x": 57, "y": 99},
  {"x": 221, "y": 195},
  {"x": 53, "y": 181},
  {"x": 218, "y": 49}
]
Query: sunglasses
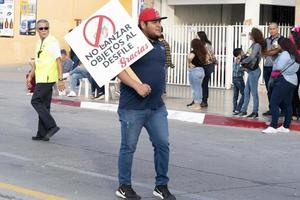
[{"x": 44, "y": 28}]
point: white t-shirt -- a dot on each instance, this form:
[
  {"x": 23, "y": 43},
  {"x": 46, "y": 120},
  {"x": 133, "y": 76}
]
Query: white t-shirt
[{"x": 54, "y": 49}]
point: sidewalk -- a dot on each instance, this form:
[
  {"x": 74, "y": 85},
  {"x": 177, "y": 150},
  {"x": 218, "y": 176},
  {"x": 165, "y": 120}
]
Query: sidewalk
[{"x": 219, "y": 111}]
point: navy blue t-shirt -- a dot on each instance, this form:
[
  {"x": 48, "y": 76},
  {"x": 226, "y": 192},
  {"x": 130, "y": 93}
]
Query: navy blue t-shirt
[{"x": 151, "y": 70}]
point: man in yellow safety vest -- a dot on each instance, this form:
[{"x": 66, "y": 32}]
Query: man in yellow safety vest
[{"x": 47, "y": 70}]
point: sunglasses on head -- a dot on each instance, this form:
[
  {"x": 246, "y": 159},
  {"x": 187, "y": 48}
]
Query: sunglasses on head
[{"x": 43, "y": 28}]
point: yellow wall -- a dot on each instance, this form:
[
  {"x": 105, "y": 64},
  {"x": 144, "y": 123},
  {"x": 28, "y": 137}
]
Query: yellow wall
[
  {"x": 61, "y": 15},
  {"x": 297, "y": 15}
]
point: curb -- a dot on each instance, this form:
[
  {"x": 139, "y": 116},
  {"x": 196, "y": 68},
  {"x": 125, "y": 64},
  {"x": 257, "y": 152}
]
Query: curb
[{"x": 200, "y": 118}]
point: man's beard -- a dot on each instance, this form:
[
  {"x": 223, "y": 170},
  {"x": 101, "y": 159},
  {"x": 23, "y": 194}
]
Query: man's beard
[{"x": 153, "y": 37}]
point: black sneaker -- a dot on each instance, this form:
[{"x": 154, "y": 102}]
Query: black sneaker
[
  {"x": 203, "y": 105},
  {"x": 95, "y": 96},
  {"x": 253, "y": 115},
  {"x": 163, "y": 192},
  {"x": 242, "y": 114},
  {"x": 126, "y": 192},
  {"x": 235, "y": 112},
  {"x": 267, "y": 113},
  {"x": 190, "y": 104},
  {"x": 50, "y": 133},
  {"x": 38, "y": 137}
]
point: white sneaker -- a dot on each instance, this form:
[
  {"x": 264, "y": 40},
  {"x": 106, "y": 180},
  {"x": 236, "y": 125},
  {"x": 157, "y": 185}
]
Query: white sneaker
[
  {"x": 102, "y": 96},
  {"x": 66, "y": 75},
  {"x": 62, "y": 93},
  {"x": 283, "y": 130},
  {"x": 195, "y": 106},
  {"x": 72, "y": 94},
  {"x": 270, "y": 130}
]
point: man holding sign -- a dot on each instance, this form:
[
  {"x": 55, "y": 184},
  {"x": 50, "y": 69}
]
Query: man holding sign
[
  {"x": 107, "y": 43},
  {"x": 141, "y": 105}
]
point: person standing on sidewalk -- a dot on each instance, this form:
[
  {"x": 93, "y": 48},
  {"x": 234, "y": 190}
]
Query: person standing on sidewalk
[
  {"x": 295, "y": 38},
  {"x": 254, "y": 55},
  {"x": 238, "y": 81},
  {"x": 141, "y": 105},
  {"x": 271, "y": 55},
  {"x": 168, "y": 55},
  {"x": 197, "y": 60},
  {"x": 284, "y": 83},
  {"x": 47, "y": 70},
  {"x": 208, "y": 69}
]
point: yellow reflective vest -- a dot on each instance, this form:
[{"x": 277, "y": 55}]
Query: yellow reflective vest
[{"x": 45, "y": 64}]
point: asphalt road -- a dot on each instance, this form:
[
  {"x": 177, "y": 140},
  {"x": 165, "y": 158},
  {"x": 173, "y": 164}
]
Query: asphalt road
[{"x": 80, "y": 161}]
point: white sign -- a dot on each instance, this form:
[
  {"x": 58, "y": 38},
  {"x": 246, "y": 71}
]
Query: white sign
[{"x": 108, "y": 42}]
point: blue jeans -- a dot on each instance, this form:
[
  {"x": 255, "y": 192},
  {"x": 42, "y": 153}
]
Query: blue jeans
[
  {"x": 196, "y": 76},
  {"x": 77, "y": 74},
  {"x": 238, "y": 87},
  {"x": 251, "y": 87},
  {"x": 156, "y": 124},
  {"x": 281, "y": 97}
]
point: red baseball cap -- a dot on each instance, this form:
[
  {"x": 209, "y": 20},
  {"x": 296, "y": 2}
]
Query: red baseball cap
[{"x": 150, "y": 14}]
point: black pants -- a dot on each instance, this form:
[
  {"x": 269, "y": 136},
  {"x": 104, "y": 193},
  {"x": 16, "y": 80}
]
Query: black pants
[
  {"x": 267, "y": 74},
  {"x": 41, "y": 101},
  {"x": 95, "y": 86},
  {"x": 208, "y": 69},
  {"x": 281, "y": 97}
]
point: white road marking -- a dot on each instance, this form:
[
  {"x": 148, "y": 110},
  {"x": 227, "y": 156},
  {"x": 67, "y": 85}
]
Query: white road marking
[{"x": 172, "y": 114}]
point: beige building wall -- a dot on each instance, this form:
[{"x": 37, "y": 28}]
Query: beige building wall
[
  {"x": 297, "y": 17},
  {"x": 148, "y": 3},
  {"x": 61, "y": 15}
]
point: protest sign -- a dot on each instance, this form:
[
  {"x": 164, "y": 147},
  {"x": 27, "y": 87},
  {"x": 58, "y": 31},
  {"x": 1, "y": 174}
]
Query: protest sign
[{"x": 108, "y": 42}]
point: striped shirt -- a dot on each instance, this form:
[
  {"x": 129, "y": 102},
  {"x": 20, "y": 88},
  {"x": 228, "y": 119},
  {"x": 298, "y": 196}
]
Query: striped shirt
[{"x": 168, "y": 54}]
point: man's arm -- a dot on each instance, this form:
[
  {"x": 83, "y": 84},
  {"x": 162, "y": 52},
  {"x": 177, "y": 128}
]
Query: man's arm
[
  {"x": 141, "y": 88},
  {"x": 60, "y": 83},
  {"x": 31, "y": 74},
  {"x": 272, "y": 51}
]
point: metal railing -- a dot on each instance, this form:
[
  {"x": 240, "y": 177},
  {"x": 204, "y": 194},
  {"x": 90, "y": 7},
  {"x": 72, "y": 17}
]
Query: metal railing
[{"x": 224, "y": 39}]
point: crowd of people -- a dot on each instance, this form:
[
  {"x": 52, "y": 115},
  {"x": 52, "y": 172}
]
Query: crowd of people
[
  {"x": 202, "y": 63},
  {"x": 281, "y": 73}
]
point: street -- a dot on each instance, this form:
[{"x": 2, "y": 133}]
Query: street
[{"x": 80, "y": 161}]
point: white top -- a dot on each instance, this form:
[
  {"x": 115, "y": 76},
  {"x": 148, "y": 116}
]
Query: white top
[{"x": 54, "y": 49}]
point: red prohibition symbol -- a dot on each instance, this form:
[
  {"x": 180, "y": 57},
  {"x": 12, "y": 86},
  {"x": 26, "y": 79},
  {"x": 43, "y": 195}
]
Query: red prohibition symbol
[{"x": 100, "y": 19}]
